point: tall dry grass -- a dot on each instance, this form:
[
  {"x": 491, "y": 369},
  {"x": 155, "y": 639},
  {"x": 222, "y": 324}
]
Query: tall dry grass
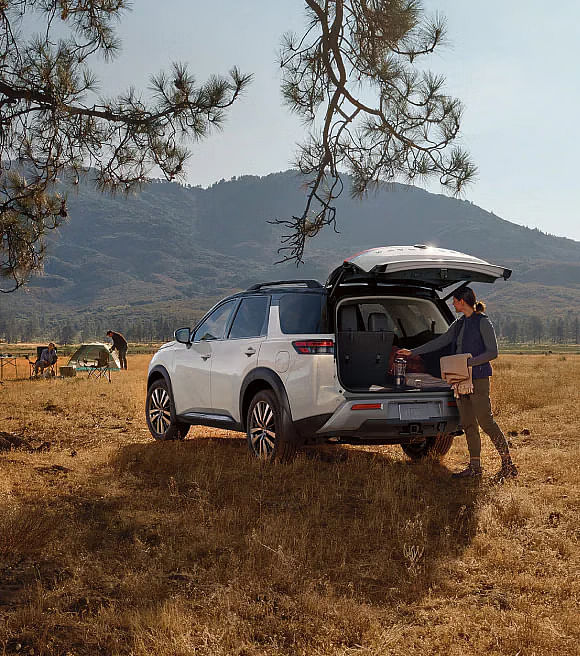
[{"x": 111, "y": 543}]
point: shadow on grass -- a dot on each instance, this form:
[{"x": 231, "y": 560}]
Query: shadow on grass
[
  {"x": 198, "y": 530},
  {"x": 358, "y": 520}
]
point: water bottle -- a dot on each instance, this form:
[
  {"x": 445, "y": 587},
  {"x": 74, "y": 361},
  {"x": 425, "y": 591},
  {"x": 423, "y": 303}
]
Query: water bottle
[{"x": 399, "y": 368}]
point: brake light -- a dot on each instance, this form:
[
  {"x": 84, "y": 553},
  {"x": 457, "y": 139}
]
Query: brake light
[
  {"x": 314, "y": 346},
  {"x": 451, "y": 404}
]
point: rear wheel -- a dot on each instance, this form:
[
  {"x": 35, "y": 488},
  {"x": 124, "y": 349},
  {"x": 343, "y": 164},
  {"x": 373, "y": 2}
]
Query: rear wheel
[
  {"x": 160, "y": 413},
  {"x": 265, "y": 429},
  {"x": 434, "y": 447}
]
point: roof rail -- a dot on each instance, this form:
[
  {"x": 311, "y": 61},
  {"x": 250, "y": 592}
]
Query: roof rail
[{"x": 311, "y": 284}]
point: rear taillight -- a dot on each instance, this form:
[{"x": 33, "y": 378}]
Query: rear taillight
[{"x": 314, "y": 346}]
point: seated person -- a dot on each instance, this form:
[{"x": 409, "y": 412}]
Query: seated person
[{"x": 47, "y": 358}]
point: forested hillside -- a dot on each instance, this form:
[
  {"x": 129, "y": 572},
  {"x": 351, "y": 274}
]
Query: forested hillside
[{"x": 149, "y": 262}]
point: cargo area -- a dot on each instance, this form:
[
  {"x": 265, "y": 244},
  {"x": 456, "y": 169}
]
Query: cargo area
[{"x": 369, "y": 332}]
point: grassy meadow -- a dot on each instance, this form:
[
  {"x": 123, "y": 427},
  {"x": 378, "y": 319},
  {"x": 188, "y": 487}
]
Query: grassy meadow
[{"x": 111, "y": 543}]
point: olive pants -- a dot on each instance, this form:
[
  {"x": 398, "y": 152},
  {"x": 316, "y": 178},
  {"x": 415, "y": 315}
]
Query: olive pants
[{"x": 475, "y": 409}]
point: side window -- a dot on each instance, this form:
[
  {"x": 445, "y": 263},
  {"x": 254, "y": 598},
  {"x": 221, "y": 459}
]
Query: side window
[
  {"x": 214, "y": 326},
  {"x": 250, "y": 317},
  {"x": 302, "y": 314}
]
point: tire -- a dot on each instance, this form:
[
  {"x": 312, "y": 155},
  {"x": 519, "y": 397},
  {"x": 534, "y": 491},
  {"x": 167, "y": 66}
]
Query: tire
[
  {"x": 265, "y": 429},
  {"x": 433, "y": 447},
  {"x": 160, "y": 413}
]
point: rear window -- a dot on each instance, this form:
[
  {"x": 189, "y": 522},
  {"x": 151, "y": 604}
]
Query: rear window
[
  {"x": 404, "y": 316},
  {"x": 303, "y": 314}
]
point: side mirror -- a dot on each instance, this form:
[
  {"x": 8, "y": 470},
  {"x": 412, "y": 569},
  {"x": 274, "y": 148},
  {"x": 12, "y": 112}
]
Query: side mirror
[{"x": 183, "y": 335}]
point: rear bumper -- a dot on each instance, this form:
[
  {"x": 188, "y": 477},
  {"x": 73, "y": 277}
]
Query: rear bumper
[
  {"x": 307, "y": 428},
  {"x": 393, "y": 418}
]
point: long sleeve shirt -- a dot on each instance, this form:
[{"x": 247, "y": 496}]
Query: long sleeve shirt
[
  {"x": 119, "y": 342},
  {"x": 48, "y": 356},
  {"x": 454, "y": 334}
]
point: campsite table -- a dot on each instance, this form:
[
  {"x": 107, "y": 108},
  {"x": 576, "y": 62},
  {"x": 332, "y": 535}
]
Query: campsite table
[{"x": 5, "y": 361}]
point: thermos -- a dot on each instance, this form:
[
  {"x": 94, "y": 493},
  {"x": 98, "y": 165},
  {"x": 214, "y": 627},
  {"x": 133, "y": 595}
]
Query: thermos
[{"x": 399, "y": 368}]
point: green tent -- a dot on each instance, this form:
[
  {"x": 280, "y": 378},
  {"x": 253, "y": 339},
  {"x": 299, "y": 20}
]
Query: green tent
[{"x": 87, "y": 354}]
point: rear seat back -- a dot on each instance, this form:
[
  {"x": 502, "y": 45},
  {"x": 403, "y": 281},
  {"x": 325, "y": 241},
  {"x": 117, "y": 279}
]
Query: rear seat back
[
  {"x": 378, "y": 322},
  {"x": 349, "y": 319}
]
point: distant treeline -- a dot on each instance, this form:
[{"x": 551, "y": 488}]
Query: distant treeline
[
  {"x": 89, "y": 327},
  {"x": 559, "y": 330}
]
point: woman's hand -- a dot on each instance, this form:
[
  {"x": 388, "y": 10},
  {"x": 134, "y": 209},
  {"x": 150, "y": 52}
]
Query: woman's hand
[{"x": 403, "y": 352}]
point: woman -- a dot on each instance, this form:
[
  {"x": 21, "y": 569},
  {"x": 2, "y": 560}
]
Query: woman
[{"x": 473, "y": 333}]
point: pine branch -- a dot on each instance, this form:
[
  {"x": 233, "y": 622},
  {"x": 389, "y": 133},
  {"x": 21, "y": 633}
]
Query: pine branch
[
  {"x": 49, "y": 129},
  {"x": 351, "y": 51}
]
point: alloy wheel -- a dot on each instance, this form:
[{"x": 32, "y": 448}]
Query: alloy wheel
[
  {"x": 263, "y": 430},
  {"x": 160, "y": 410}
]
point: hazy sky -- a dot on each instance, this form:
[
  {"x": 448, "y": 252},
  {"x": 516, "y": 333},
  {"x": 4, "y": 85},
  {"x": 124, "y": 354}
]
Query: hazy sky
[{"x": 515, "y": 66}]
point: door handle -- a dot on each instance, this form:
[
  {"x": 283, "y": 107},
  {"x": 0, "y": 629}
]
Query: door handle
[
  {"x": 205, "y": 356},
  {"x": 250, "y": 351}
]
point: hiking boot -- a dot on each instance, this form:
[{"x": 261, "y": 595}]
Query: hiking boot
[
  {"x": 468, "y": 472},
  {"x": 508, "y": 470}
]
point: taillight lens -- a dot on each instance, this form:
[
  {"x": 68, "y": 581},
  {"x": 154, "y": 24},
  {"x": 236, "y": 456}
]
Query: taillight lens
[{"x": 314, "y": 346}]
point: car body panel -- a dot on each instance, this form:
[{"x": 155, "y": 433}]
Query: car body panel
[
  {"x": 191, "y": 377},
  {"x": 396, "y": 411},
  {"x": 424, "y": 265},
  {"x": 310, "y": 380},
  {"x": 231, "y": 361},
  {"x": 312, "y": 383}
]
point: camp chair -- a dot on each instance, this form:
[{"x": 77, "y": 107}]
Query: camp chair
[
  {"x": 47, "y": 372},
  {"x": 99, "y": 368}
]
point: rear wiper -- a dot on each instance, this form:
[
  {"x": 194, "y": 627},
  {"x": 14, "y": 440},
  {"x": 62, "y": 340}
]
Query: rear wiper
[{"x": 399, "y": 321}]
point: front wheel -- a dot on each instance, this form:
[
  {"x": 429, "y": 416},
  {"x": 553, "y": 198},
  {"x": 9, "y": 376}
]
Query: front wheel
[
  {"x": 434, "y": 447},
  {"x": 160, "y": 413},
  {"x": 265, "y": 429}
]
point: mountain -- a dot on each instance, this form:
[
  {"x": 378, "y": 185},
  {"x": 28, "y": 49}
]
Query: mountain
[{"x": 172, "y": 247}]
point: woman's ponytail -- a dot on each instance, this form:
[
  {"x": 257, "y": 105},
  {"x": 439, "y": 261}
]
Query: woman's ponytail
[{"x": 480, "y": 307}]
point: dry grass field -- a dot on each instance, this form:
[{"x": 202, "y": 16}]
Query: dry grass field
[{"x": 113, "y": 544}]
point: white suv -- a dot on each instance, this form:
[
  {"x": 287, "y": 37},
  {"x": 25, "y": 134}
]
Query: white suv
[{"x": 296, "y": 362}]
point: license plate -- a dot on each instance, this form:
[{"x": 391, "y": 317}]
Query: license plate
[{"x": 409, "y": 411}]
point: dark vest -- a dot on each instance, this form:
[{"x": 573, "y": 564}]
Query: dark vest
[{"x": 472, "y": 342}]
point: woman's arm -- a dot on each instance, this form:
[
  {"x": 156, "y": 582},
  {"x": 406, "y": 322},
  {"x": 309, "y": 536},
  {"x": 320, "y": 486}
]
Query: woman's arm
[
  {"x": 489, "y": 341},
  {"x": 435, "y": 344}
]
